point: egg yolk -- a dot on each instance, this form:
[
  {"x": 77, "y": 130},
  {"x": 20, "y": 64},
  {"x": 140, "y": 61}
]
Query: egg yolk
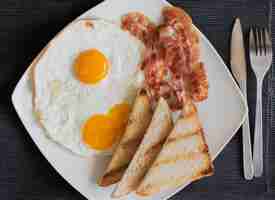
[
  {"x": 101, "y": 131},
  {"x": 119, "y": 115},
  {"x": 98, "y": 132},
  {"x": 91, "y": 66}
]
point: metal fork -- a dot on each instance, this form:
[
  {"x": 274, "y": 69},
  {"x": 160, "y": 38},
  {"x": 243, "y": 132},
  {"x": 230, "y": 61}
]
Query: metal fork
[{"x": 260, "y": 50}]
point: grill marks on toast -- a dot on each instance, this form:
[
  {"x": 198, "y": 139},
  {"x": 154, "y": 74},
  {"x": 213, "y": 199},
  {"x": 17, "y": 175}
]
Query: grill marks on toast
[
  {"x": 155, "y": 136},
  {"x": 182, "y": 175},
  {"x": 190, "y": 124},
  {"x": 138, "y": 122},
  {"x": 184, "y": 156},
  {"x": 155, "y": 148},
  {"x": 176, "y": 139},
  {"x": 132, "y": 143},
  {"x": 191, "y": 144},
  {"x": 177, "y": 157},
  {"x": 178, "y": 181}
]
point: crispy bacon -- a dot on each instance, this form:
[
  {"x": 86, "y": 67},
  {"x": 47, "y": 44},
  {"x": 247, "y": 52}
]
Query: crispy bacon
[
  {"x": 199, "y": 83},
  {"x": 140, "y": 26},
  {"x": 172, "y": 15},
  {"x": 171, "y": 62}
]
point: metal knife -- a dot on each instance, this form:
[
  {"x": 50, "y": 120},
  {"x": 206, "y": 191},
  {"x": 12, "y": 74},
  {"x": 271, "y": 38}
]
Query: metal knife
[{"x": 238, "y": 66}]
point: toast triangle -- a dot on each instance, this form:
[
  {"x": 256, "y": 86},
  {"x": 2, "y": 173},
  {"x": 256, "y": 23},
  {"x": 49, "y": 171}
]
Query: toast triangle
[
  {"x": 149, "y": 148},
  {"x": 138, "y": 122},
  {"x": 184, "y": 157}
]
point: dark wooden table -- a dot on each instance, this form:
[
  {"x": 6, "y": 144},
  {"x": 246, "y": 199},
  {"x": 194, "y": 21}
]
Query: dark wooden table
[{"x": 25, "y": 28}]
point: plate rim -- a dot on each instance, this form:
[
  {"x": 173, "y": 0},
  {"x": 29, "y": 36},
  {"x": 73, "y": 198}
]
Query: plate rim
[{"x": 243, "y": 100}]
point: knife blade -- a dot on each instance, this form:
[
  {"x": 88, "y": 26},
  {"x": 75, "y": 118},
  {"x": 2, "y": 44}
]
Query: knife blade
[
  {"x": 238, "y": 66},
  {"x": 238, "y": 63}
]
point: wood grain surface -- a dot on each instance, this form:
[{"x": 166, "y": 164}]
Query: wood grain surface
[{"x": 25, "y": 28}]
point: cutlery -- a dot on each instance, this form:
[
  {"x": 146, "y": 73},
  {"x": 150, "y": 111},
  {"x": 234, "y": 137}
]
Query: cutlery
[
  {"x": 260, "y": 50},
  {"x": 238, "y": 66}
]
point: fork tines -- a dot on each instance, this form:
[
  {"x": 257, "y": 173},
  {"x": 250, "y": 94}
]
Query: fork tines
[{"x": 260, "y": 41}]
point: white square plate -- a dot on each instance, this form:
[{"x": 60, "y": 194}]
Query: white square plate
[{"x": 221, "y": 114}]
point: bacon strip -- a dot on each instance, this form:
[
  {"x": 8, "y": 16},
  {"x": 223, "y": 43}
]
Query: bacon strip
[
  {"x": 140, "y": 26},
  {"x": 171, "y": 63}
]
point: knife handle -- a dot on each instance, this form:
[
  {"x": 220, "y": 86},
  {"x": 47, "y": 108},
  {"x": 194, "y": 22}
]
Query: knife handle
[{"x": 247, "y": 152}]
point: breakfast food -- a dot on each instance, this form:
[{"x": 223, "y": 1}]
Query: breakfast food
[
  {"x": 138, "y": 122},
  {"x": 85, "y": 83},
  {"x": 149, "y": 148},
  {"x": 140, "y": 26},
  {"x": 184, "y": 156},
  {"x": 171, "y": 63},
  {"x": 175, "y": 78},
  {"x": 101, "y": 88}
]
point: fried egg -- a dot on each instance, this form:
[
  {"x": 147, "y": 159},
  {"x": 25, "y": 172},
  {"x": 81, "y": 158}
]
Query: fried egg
[{"x": 85, "y": 84}]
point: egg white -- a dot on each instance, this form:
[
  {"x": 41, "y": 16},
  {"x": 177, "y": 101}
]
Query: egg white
[{"x": 62, "y": 102}]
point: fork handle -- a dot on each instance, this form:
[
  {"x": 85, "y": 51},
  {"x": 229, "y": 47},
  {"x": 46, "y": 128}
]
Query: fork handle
[
  {"x": 247, "y": 150},
  {"x": 258, "y": 134}
]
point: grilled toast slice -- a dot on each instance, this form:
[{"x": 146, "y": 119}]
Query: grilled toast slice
[
  {"x": 184, "y": 157},
  {"x": 148, "y": 150},
  {"x": 139, "y": 121}
]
